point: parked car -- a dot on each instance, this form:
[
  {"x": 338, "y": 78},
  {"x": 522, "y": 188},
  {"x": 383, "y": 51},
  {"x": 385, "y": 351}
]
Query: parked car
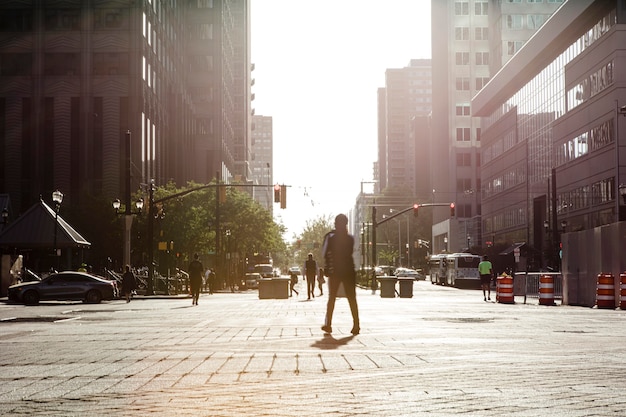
[
  {"x": 68, "y": 285},
  {"x": 295, "y": 270},
  {"x": 409, "y": 273},
  {"x": 251, "y": 280}
]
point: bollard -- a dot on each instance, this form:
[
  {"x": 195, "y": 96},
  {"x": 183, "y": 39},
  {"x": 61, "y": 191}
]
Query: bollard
[
  {"x": 504, "y": 290},
  {"x": 605, "y": 292},
  {"x": 546, "y": 290},
  {"x": 622, "y": 291}
]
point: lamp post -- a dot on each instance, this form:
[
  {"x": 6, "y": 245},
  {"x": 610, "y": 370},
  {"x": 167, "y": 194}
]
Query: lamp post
[
  {"x": 445, "y": 243},
  {"x": 128, "y": 222},
  {"x": 57, "y": 198}
]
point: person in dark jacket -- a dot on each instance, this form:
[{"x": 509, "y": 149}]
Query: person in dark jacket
[
  {"x": 339, "y": 267},
  {"x": 129, "y": 283},
  {"x": 310, "y": 272},
  {"x": 195, "y": 278}
]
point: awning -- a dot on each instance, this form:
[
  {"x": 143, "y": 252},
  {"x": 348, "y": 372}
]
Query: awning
[
  {"x": 37, "y": 229},
  {"x": 511, "y": 248}
]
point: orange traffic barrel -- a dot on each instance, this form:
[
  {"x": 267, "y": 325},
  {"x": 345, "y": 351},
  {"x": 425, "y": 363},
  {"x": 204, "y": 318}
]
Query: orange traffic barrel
[
  {"x": 546, "y": 290},
  {"x": 504, "y": 289},
  {"x": 622, "y": 291},
  {"x": 605, "y": 295}
]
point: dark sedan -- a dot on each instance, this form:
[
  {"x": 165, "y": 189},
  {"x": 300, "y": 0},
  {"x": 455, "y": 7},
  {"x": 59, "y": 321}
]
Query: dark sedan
[{"x": 67, "y": 285}]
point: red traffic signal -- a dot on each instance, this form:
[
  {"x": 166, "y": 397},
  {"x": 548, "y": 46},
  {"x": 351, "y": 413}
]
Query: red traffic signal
[
  {"x": 415, "y": 209},
  {"x": 277, "y": 193},
  {"x": 451, "y": 209}
]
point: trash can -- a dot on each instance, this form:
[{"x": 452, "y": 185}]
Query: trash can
[
  {"x": 281, "y": 287},
  {"x": 406, "y": 287},
  {"x": 266, "y": 289},
  {"x": 387, "y": 286}
]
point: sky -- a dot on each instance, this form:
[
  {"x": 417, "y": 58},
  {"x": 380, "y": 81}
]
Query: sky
[{"x": 318, "y": 67}]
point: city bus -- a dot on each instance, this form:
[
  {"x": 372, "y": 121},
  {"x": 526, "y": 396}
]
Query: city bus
[
  {"x": 462, "y": 270},
  {"x": 437, "y": 267}
]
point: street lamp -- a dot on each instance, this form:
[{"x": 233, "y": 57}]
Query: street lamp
[
  {"x": 128, "y": 221},
  {"x": 445, "y": 243},
  {"x": 57, "y": 198}
]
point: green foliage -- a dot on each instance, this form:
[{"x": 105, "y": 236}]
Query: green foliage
[{"x": 312, "y": 238}]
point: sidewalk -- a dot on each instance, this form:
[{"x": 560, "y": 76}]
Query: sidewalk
[{"x": 443, "y": 352}]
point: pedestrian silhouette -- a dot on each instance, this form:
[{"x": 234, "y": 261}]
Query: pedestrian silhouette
[
  {"x": 310, "y": 272},
  {"x": 195, "y": 278},
  {"x": 129, "y": 283},
  {"x": 292, "y": 283},
  {"x": 485, "y": 270},
  {"x": 339, "y": 267},
  {"x": 321, "y": 280}
]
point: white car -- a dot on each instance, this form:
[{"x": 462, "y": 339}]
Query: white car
[
  {"x": 252, "y": 280},
  {"x": 409, "y": 273}
]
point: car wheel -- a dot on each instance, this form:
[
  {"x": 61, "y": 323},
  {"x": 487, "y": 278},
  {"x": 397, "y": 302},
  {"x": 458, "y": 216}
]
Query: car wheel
[
  {"x": 31, "y": 298},
  {"x": 93, "y": 297}
]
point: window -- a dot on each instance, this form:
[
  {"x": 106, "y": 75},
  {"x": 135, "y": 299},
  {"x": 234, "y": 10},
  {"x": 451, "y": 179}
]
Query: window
[
  {"x": 61, "y": 64},
  {"x": 481, "y": 82},
  {"x": 464, "y": 159},
  {"x": 62, "y": 19},
  {"x": 482, "y": 58},
  {"x": 462, "y": 109},
  {"x": 110, "y": 63},
  {"x": 514, "y": 21},
  {"x": 535, "y": 1},
  {"x": 480, "y": 8},
  {"x": 478, "y": 132},
  {"x": 462, "y": 83},
  {"x": 16, "y": 64},
  {"x": 462, "y": 134},
  {"x": 110, "y": 19},
  {"x": 462, "y": 58},
  {"x": 17, "y": 20},
  {"x": 534, "y": 21},
  {"x": 481, "y": 34},
  {"x": 463, "y": 184},
  {"x": 513, "y": 46},
  {"x": 461, "y": 33},
  {"x": 461, "y": 8}
]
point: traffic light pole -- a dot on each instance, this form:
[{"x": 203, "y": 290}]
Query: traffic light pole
[{"x": 375, "y": 224}]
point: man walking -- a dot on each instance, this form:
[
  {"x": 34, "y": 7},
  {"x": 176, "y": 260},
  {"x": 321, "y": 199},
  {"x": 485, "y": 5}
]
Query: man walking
[
  {"x": 337, "y": 250},
  {"x": 195, "y": 278},
  {"x": 485, "y": 270},
  {"x": 310, "y": 272}
]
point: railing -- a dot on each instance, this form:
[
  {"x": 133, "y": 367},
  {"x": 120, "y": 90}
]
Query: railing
[{"x": 526, "y": 284}]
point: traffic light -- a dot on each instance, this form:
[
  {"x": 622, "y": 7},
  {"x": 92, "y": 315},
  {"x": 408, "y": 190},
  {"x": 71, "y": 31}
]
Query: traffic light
[
  {"x": 276, "y": 193},
  {"x": 283, "y": 196},
  {"x": 451, "y": 209},
  {"x": 415, "y": 208}
]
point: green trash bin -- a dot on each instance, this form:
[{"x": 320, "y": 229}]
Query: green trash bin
[{"x": 387, "y": 286}]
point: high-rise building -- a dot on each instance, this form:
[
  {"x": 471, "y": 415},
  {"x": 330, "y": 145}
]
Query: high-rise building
[
  {"x": 471, "y": 39},
  {"x": 553, "y": 165},
  {"x": 261, "y": 161},
  {"x": 77, "y": 79},
  {"x": 407, "y": 94}
]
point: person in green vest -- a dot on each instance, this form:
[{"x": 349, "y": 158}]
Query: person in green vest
[{"x": 485, "y": 270}]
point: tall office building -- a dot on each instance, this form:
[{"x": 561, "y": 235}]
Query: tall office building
[
  {"x": 406, "y": 95},
  {"x": 261, "y": 161},
  {"x": 554, "y": 166},
  {"x": 78, "y": 79},
  {"x": 471, "y": 39}
]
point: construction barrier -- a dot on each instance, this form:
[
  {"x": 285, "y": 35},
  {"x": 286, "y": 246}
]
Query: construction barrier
[
  {"x": 605, "y": 291},
  {"x": 546, "y": 290},
  {"x": 622, "y": 291},
  {"x": 504, "y": 290}
]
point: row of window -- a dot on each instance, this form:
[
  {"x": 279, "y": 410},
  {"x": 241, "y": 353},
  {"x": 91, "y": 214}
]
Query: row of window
[
  {"x": 481, "y": 58},
  {"x": 59, "y": 64},
  {"x": 533, "y": 21},
  {"x": 587, "y": 196},
  {"x": 510, "y": 218},
  {"x": 463, "y": 134},
  {"x": 589, "y": 141},
  {"x": 22, "y": 20},
  {"x": 462, "y": 8},
  {"x": 590, "y": 86},
  {"x": 462, "y": 33},
  {"x": 463, "y": 83}
]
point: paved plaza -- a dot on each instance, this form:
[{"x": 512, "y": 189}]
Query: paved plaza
[{"x": 443, "y": 352}]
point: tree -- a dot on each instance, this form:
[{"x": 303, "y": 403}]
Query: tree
[{"x": 311, "y": 239}]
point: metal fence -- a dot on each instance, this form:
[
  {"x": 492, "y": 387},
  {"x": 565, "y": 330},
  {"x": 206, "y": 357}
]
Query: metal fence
[{"x": 526, "y": 284}]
